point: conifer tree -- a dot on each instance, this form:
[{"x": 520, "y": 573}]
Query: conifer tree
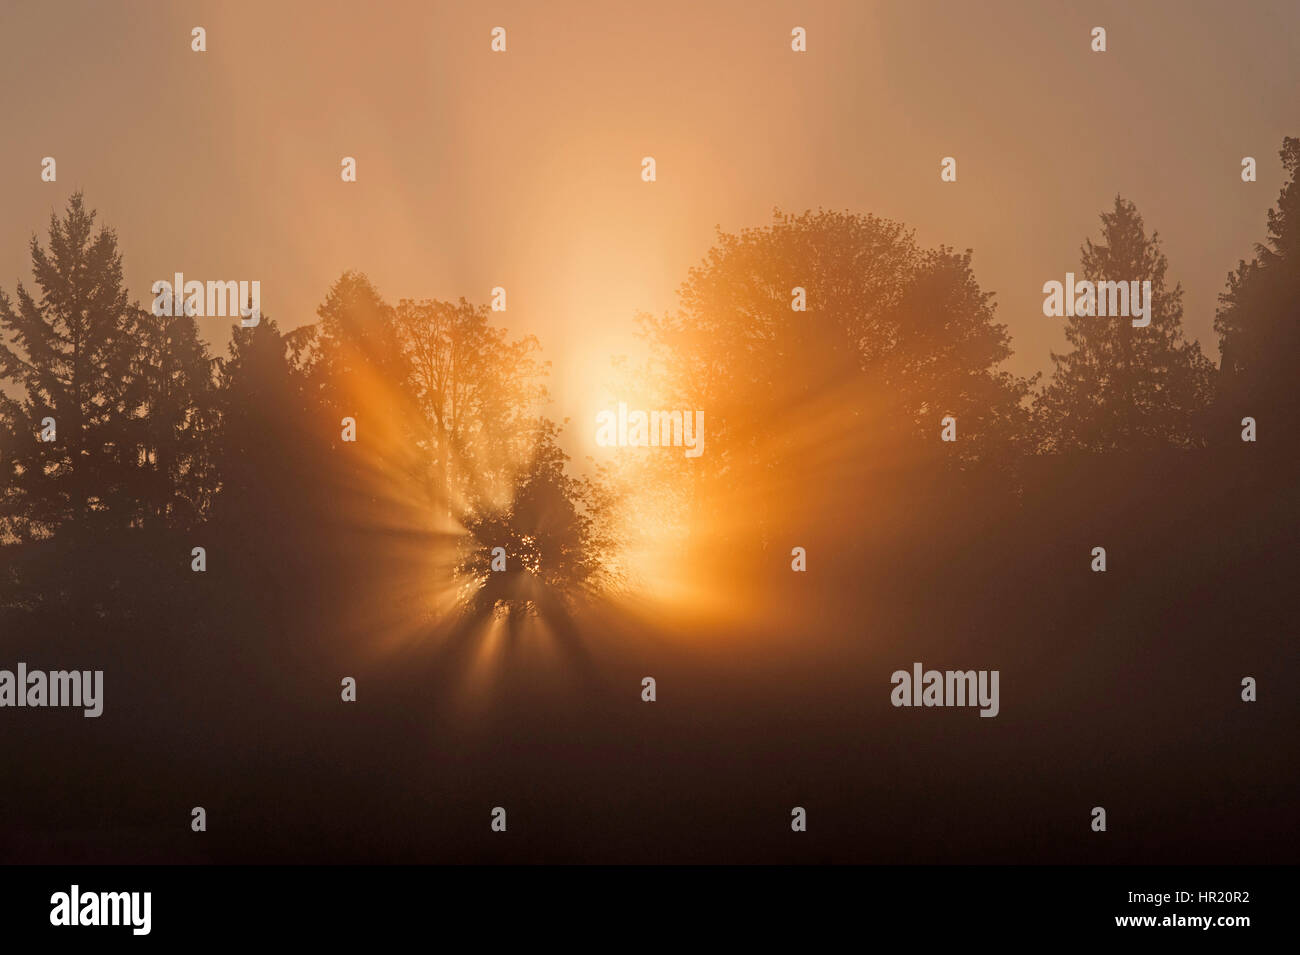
[
  {"x": 171, "y": 420},
  {"x": 68, "y": 354},
  {"x": 129, "y": 393},
  {"x": 1259, "y": 322},
  {"x": 1122, "y": 387}
]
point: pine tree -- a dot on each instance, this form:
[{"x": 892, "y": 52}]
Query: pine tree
[
  {"x": 171, "y": 420},
  {"x": 1122, "y": 387},
  {"x": 267, "y": 455},
  {"x": 358, "y": 359},
  {"x": 129, "y": 392},
  {"x": 69, "y": 354},
  {"x": 1259, "y": 322}
]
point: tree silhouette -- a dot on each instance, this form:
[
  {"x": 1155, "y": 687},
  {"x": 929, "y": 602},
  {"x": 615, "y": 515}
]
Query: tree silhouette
[
  {"x": 130, "y": 394},
  {"x": 1257, "y": 320},
  {"x": 350, "y": 365},
  {"x": 1121, "y": 387},
  {"x": 548, "y": 531},
  {"x": 841, "y": 397},
  {"x": 265, "y": 454},
  {"x": 173, "y": 420},
  {"x": 356, "y": 339},
  {"x": 497, "y": 468},
  {"x": 71, "y": 358},
  {"x": 478, "y": 392},
  {"x": 451, "y": 440}
]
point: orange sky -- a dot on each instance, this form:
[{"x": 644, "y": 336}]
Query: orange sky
[{"x": 523, "y": 170}]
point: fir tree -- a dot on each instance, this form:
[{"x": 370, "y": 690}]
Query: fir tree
[
  {"x": 1122, "y": 387},
  {"x": 69, "y": 354},
  {"x": 129, "y": 392},
  {"x": 1259, "y": 321}
]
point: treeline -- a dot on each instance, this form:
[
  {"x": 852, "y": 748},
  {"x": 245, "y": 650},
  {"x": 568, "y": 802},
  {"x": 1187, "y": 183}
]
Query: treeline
[
  {"x": 125, "y": 445},
  {"x": 297, "y": 461},
  {"x": 824, "y": 427}
]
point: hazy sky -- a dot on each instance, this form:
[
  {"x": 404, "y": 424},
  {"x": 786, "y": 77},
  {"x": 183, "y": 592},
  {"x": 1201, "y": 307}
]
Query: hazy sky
[{"x": 523, "y": 169}]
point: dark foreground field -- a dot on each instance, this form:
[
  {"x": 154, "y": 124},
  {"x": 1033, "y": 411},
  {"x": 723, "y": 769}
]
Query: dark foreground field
[{"x": 1119, "y": 690}]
